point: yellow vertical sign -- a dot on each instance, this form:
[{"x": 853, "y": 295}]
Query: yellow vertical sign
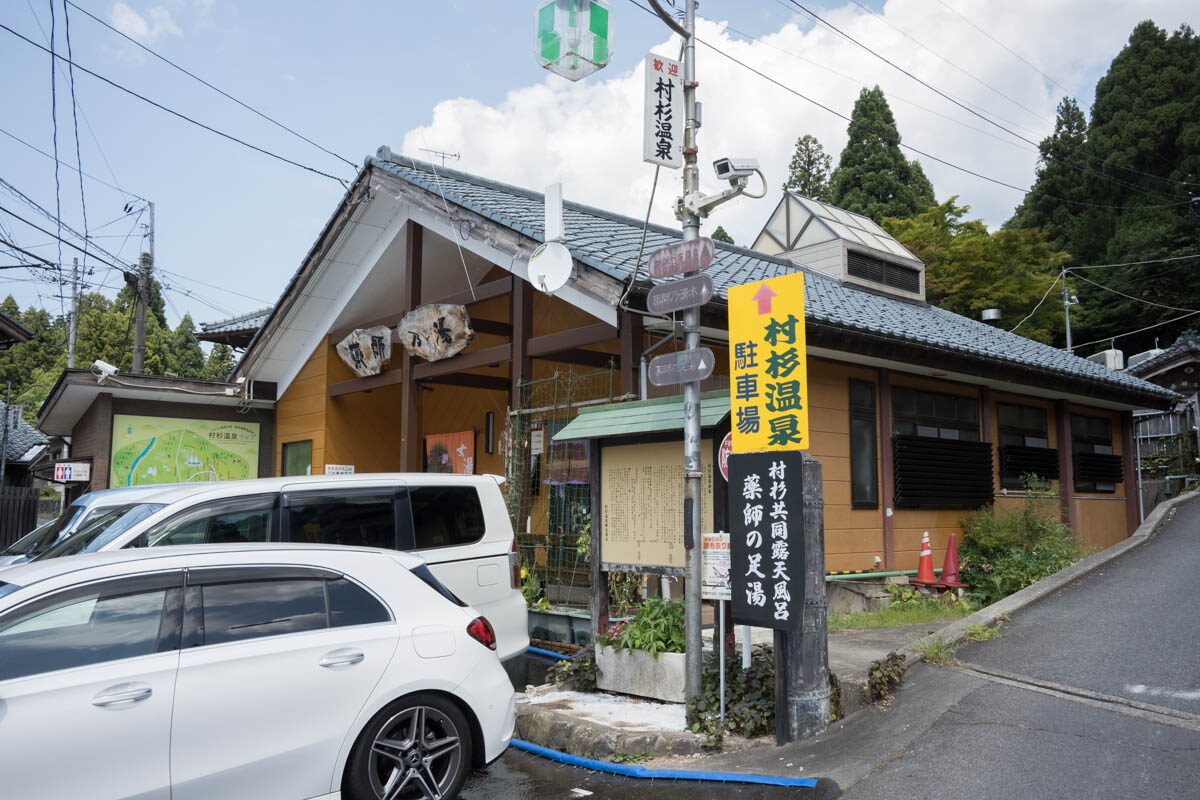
[{"x": 768, "y": 368}]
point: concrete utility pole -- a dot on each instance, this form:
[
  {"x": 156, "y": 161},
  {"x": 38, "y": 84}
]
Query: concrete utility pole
[
  {"x": 74, "y": 314},
  {"x": 143, "y": 299},
  {"x": 1067, "y": 309}
]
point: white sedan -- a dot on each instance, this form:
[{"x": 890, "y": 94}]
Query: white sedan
[{"x": 286, "y": 672}]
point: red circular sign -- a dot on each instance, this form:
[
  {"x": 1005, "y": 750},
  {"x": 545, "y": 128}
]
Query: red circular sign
[{"x": 724, "y": 454}]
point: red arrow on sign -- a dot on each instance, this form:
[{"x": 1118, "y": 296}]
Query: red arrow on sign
[{"x": 763, "y": 296}]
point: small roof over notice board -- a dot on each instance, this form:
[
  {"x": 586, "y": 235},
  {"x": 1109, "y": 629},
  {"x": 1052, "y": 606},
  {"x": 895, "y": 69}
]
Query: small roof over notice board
[{"x": 614, "y": 420}]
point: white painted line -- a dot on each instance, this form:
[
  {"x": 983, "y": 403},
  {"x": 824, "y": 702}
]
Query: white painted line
[
  {"x": 581, "y": 792},
  {"x": 1155, "y": 691}
]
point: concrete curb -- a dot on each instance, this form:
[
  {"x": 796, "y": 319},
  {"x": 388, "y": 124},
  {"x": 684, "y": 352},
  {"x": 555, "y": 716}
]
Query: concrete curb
[
  {"x": 565, "y": 733},
  {"x": 957, "y": 630}
]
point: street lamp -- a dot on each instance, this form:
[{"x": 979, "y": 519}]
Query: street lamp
[{"x": 573, "y": 38}]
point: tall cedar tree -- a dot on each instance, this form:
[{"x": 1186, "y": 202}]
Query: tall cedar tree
[
  {"x": 873, "y": 177},
  {"x": 721, "y": 235},
  {"x": 808, "y": 172},
  {"x": 968, "y": 268},
  {"x": 1063, "y": 162}
]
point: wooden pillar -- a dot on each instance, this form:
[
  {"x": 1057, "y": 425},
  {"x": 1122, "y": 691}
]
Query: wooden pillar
[
  {"x": 631, "y": 350},
  {"x": 1066, "y": 462},
  {"x": 1129, "y": 474},
  {"x": 599, "y": 622},
  {"x": 410, "y": 397},
  {"x": 887, "y": 479},
  {"x": 985, "y": 426},
  {"x": 521, "y": 314}
]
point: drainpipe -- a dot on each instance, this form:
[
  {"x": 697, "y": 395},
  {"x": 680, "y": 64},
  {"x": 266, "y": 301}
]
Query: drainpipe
[{"x": 643, "y": 367}]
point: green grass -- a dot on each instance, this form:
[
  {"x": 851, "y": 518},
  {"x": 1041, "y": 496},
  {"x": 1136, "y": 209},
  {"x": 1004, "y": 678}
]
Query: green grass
[
  {"x": 938, "y": 652},
  {"x": 895, "y": 616}
]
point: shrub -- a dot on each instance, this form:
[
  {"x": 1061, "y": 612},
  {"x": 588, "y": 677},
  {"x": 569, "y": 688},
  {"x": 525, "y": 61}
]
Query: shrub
[
  {"x": 749, "y": 695},
  {"x": 1004, "y": 552},
  {"x": 883, "y": 676},
  {"x": 580, "y": 671},
  {"x": 531, "y": 587},
  {"x": 657, "y": 628}
]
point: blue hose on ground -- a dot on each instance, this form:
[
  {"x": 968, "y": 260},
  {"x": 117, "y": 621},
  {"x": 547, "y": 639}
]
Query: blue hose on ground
[
  {"x": 638, "y": 771},
  {"x": 537, "y": 651}
]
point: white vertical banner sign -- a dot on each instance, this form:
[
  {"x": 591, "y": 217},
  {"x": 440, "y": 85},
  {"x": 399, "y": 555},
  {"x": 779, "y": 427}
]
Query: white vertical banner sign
[{"x": 662, "y": 138}]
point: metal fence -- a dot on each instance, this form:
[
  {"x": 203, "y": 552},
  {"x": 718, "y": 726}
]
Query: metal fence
[{"x": 18, "y": 512}]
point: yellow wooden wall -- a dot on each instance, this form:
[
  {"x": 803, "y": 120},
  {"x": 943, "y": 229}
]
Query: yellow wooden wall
[{"x": 300, "y": 411}]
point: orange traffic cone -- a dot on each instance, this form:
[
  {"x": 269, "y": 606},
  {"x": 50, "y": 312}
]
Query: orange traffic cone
[
  {"x": 950, "y": 565},
  {"x": 925, "y": 568}
]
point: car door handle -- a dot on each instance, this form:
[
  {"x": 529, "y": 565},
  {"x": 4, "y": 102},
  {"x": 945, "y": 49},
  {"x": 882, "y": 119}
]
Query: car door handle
[
  {"x": 342, "y": 658},
  {"x": 122, "y": 693}
]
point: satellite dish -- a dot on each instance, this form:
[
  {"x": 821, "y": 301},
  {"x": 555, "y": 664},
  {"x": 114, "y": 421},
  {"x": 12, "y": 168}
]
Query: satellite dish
[{"x": 550, "y": 267}]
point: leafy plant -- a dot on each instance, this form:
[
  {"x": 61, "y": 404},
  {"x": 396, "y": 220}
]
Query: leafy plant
[
  {"x": 531, "y": 587},
  {"x": 1004, "y": 552},
  {"x": 624, "y": 591},
  {"x": 835, "y": 698},
  {"x": 621, "y": 757},
  {"x": 749, "y": 696},
  {"x": 982, "y": 633},
  {"x": 657, "y": 628},
  {"x": 883, "y": 676},
  {"x": 938, "y": 651},
  {"x": 579, "y": 671}
]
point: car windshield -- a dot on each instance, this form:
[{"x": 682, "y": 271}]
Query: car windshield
[
  {"x": 44, "y": 535},
  {"x": 103, "y": 529},
  {"x": 7, "y": 588}
]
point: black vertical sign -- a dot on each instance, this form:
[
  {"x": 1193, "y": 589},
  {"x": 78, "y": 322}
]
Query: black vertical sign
[{"x": 766, "y": 524}]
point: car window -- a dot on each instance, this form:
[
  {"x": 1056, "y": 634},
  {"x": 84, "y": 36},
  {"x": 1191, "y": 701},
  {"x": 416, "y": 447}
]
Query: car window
[
  {"x": 350, "y": 604},
  {"x": 95, "y": 534},
  {"x": 243, "y": 520},
  {"x": 446, "y": 515},
  {"x": 45, "y": 535},
  {"x": 363, "y": 520},
  {"x": 83, "y": 627},
  {"x": 251, "y": 609}
]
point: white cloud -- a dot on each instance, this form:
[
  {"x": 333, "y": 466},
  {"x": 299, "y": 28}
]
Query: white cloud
[
  {"x": 588, "y": 134},
  {"x": 146, "y": 29}
]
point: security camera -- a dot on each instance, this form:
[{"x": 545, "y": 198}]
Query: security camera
[
  {"x": 734, "y": 169},
  {"x": 104, "y": 368}
]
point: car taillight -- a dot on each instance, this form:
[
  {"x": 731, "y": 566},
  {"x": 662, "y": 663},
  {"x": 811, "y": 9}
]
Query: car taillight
[
  {"x": 481, "y": 631},
  {"x": 514, "y": 561}
]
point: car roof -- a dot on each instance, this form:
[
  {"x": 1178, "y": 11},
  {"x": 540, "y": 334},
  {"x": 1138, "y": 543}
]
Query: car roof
[
  {"x": 123, "y": 494},
  {"x": 183, "y": 491},
  {"x": 191, "y": 555}
]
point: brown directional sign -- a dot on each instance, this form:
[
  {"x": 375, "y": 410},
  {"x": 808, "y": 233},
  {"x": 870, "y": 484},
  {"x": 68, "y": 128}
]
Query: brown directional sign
[
  {"x": 689, "y": 292},
  {"x": 682, "y": 367},
  {"x": 681, "y": 257}
]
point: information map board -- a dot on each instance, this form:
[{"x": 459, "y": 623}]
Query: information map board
[
  {"x": 151, "y": 450},
  {"x": 641, "y": 502}
]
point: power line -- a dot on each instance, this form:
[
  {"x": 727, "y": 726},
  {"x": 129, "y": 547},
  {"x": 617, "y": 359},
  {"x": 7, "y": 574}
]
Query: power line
[
  {"x": 87, "y": 175},
  {"x": 62, "y": 241},
  {"x": 57, "y": 220},
  {"x": 910, "y": 148},
  {"x": 221, "y": 92},
  {"x": 1013, "y": 329},
  {"x": 1137, "y": 263},
  {"x": 57, "y": 185},
  {"x": 214, "y": 286},
  {"x": 970, "y": 110},
  {"x": 78, "y": 155},
  {"x": 175, "y": 113},
  {"x": 1139, "y": 330},
  {"x": 925, "y": 47},
  {"x": 45, "y": 264},
  {"x": 1006, "y": 47},
  {"x": 1129, "y": 296}
]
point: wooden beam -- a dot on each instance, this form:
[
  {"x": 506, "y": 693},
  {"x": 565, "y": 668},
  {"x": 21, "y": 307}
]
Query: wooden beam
[
  {"x": 497, "y": 383},
  {"x": 587, "y": 358},
  {"x": 631, "y": 350},
  {"x": 541, "y": 346},
  {"x": 887, "y": 471},
  {"x": 464, "y": 361},
  {"x": 486, "y": 291},
  {"x": 1066, "y": 463},
  {"x": 521, "y": 315},
  {"x": 1133, "y": 516},
  {"x": 411, "y": 454},
  {"x": 985, "y": 428},
  {"x": 491, "y": 327},
  {"x": 389, "y": 378}
]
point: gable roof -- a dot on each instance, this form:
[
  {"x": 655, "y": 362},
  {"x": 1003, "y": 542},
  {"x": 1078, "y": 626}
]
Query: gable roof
[
  {"x": 1188, "y": 344},
  {"x": 22, "y": 437},
  {"x": 800, "y": 222},
  {"x": 609, "y": 243},
  {"x": 235, "y": 331}
]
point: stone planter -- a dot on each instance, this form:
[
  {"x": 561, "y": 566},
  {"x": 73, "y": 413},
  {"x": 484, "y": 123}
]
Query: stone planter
[{"x": 638, "y": 673}]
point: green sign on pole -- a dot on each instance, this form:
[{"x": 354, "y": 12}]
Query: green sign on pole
[{"x": 573, "y": 37}]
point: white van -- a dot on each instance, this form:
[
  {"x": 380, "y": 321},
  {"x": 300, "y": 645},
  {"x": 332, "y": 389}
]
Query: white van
[{"x": 458, "y": 523}]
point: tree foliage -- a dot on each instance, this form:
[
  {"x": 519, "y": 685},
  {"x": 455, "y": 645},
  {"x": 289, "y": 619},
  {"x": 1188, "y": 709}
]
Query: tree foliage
[
  {"x": 720, "y": 235},
  {"x": 968, "y": 268},
  {"x": 809, "y": 170},
  {"x": 873, "y": 177},
  {"x": 104, "y": 331}
]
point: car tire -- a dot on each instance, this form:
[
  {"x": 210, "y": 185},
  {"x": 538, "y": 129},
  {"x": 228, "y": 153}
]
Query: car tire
[{"x": 422, "y": 742}]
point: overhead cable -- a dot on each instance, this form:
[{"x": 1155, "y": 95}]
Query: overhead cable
[
  {"x": 1006, "y": 47},
  {"x": 61, "y": 240}
]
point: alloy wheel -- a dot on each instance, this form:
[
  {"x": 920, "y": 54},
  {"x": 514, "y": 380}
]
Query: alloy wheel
[{"x": 417, "y": 753}]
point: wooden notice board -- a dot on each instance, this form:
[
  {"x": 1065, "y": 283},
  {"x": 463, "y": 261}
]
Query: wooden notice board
[{"x": 641, "y": 505}]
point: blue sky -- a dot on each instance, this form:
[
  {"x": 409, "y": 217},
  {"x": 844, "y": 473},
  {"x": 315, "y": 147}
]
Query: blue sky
[{"x": 460, "y": 76}]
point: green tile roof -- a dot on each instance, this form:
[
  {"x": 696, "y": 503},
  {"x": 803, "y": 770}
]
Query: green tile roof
[{"x": 643, "y": 416}]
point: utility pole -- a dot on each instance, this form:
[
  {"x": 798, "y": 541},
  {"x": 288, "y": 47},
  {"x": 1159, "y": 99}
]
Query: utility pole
[
  {"x": 145, "y": 266},
  {"x": 1066, "y": 308},
  {"x": 74, "y": 314}
]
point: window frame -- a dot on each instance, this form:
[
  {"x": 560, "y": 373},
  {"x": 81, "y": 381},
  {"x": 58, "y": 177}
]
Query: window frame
[
  {"x": 864, "y": 415},
  {"x": 283, "y": 449},
  {"x": 170, "y": 625},
  {"x": 1080, "y": 440},
  {"x": 398, "y": 493},
  {"x": 232, "y": 503},
  {"x": 412, "y": 521},
  {"x": 1008, "y": 481},
  {"x": 917, "y": 419}
]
